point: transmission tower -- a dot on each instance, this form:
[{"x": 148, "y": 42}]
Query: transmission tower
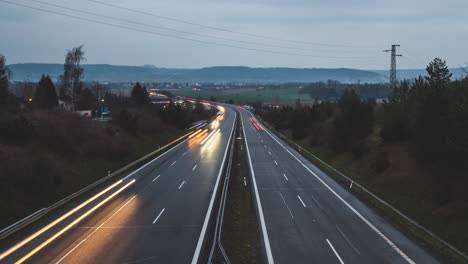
[{"x": 393, "y": 78}]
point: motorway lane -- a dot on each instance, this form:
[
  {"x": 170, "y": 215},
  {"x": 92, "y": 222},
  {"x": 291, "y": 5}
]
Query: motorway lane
[
  {"x": 158, "y": 219},
  {"x": 309, "y": 218}
]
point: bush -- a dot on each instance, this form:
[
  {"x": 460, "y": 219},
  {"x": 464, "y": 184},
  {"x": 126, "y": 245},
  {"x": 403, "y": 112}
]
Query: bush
[
  {"x": 381, "y": 163},
  {"x": 33, "y": 174},
  {"x": 14, "y": 128},
  {"x": 128, "y": 121}
]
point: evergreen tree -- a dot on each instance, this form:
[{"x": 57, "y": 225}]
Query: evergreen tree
[
  {"x": 139, "y": 94},
  {"x": 353, "y": 123},
  {"x": 45, "y": 95},
  {"x": 439, "y": 74}
]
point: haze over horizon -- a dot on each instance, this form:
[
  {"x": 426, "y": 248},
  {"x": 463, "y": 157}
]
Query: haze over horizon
[{"x": 284, "y": 33}]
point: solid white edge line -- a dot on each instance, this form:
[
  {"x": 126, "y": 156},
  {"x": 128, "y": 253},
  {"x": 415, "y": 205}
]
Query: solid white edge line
[
  {"x": 334, "y": 251},
  {"x": 159, "y": 215},
  {"x": 259, "y": 204},
  {"x": 196, "y": 255},
  {"x": 375, "y": 229}
]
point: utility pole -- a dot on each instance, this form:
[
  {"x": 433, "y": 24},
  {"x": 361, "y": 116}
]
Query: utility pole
[{"x": 393, "y": 78}]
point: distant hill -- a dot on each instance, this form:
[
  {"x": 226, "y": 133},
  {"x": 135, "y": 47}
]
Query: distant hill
[
  {"x": 410, "y": 74},
  {"x": 151, "y": 73}
]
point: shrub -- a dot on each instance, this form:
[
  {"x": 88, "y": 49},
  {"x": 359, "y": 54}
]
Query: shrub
[
  {"x": 382, "y": 163},
  {"x": 128, "y": 121},
  {"x": 14, "y": 128}
]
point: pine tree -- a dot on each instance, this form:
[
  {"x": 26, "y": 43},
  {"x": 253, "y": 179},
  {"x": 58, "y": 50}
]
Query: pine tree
[
  {"x": 438, "y": 72},
  {"x": 139, "y": 94},
  {"x": 45, "y": 96}
]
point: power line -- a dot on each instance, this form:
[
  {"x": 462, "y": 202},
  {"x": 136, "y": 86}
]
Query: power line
[
  {"x": 181, "y": 31},
  {"x": 176, "y": 37},
  {"x": 220, "y": 29}
]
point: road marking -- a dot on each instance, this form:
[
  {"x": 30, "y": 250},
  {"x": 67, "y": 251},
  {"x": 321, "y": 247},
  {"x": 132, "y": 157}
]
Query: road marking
[
  {"x": 349, "y": 242},
  {"x": 269, "y": 153},
  {"x": 156, "y": 178},
  {"x": 245, "y": 182},
  {"x": 389, "y": 242},
  {"x": 259, "y": 204},
  {"x": 202, "y": 155},
  {"x": 173, "y": 163},
  {"x": 184, "y": 153},
  {"x": 276, "y": 163},
  {"x": 315, "y": 200},
  {"x": 149, "y": 162},
  {"x": 194, "y": 167},
  {"x": 284, "y": 201},
  {"x": 95, "y": 230},
  {"x": 264, "y": 146},
  {"x": 182, "y": 184},
  {"x": 334, "y": 251},
  {"x": 284, "y": 175},
  {"x": 197, "y": 252},
  {"x": 69, "y": 252},
  {"x": 159, "y": 215},
  {"x": 302, "y": 202}
]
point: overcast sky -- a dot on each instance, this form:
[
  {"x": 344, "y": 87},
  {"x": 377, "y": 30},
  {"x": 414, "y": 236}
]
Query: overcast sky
[{"x": 283, "y": 33}]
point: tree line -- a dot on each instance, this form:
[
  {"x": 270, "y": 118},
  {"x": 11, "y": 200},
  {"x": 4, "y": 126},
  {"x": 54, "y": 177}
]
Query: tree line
[{"x": 430, "y": 114}]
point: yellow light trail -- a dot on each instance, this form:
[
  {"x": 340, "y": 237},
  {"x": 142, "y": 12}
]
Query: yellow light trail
[
  {"x": 44, "y": 229},
  {"x": 202, "y": 133},
  {"x": 52, "y": 238},
  {"x": 194, "y": 134}
]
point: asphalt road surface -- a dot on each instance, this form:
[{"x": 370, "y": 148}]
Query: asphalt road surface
[
  {"x": 157, "y": 214},
  {"x": 306, "y": 217}
]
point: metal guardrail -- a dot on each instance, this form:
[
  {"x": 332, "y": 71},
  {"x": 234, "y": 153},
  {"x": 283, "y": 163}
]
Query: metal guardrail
[
  {"x": 39, "y": 214},
  {"x": 365, "y": 190}
]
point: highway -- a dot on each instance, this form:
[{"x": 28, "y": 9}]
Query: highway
[
  {"x": 306, "y": 217},
  {"x": 157, "y": 214}
]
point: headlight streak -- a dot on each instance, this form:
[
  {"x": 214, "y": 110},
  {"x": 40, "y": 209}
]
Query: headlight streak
[
  {"x": 208, "y": 137},
  {"x": 208, "y": 144},
  {"x": 63, "y": 230},
  {"x": 196, "y": 133},
  {"x": 58, "y": 220}
]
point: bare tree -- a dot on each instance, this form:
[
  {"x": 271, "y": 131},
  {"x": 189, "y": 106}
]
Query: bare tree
[
  {"x": 99, "y": 90},
  {"x": 72, "y": 73}
]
